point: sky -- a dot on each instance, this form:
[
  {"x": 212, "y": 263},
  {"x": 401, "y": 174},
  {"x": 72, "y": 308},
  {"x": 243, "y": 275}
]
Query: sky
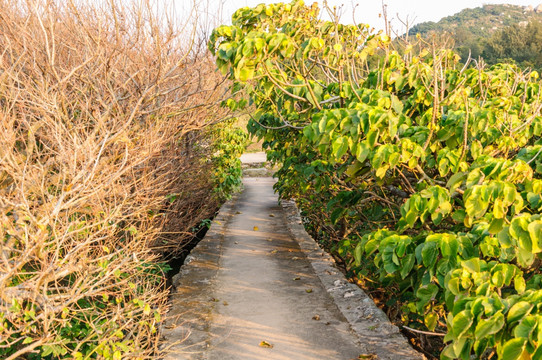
[{"x": 367, "y": 11}]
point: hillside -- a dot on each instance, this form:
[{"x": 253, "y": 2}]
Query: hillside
[
  {"x": 478, "y": 31},
  {"x": 482, "y": 21}
]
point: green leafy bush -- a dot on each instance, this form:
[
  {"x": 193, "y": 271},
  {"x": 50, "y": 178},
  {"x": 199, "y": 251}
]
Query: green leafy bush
[
  {"x": 229, "y": 142},
  {"x": 421, "y": 173}
]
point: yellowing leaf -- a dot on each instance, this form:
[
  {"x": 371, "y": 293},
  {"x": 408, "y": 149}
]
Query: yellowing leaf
[
  {"x": 266, "y": 344},
  {"x": 256, "y": 228},
  {"x": 147, "y": 309}
]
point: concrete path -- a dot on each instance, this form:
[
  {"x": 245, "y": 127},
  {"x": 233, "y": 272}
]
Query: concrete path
[
  {"x": 258, "y": 157},
  {"x": 249, "y": 292}
]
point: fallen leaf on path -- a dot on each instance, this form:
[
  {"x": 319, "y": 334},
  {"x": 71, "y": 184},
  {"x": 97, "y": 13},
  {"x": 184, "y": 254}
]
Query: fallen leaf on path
[
  {"x": 256, "y": 228},
  {"x": 308, "y": 291},
  {"x": 297, "y": 278},
  {"x": 368, "y": 357},
  {"x": 238, "y": 212},
  {"x": 236, "y": 242},
  {"x": 269, "y": 239},
  {"x": 225, "y": 303},
  {"x": 214, "y": 300},
  {"x": 271, "y": 215},
  {"x": 273, "y": 251},
  {"x": 295, "y": 258},
  {"x": 316, "y": 317},
  {"x": 265, "y": 344}
]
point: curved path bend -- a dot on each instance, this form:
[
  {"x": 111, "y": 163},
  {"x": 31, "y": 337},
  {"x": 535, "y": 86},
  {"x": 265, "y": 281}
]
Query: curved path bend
[{"x": 252, "y": 290}]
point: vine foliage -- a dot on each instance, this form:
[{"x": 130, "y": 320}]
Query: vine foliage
[{"x": 422, "y": 173}]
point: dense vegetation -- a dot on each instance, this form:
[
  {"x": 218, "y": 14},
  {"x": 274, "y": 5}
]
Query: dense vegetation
[
  {"x": 110, "y": 153},
  {"x": 423, "y": 175},
  {"x": 521, "y": 45},
  {"x": 498, "y": 33},
  {"x": 480, "y": 21}
]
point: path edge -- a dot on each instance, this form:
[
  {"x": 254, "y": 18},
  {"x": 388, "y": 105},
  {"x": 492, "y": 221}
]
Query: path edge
[
  {"x": 371, "y": 325},
  {"x": 183, "y": 339},
  {"x": 211, "y": 241}
]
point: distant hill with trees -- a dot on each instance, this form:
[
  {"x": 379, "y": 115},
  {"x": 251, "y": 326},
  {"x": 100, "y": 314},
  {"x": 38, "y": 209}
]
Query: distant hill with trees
[{"x": 497, "y": 33}]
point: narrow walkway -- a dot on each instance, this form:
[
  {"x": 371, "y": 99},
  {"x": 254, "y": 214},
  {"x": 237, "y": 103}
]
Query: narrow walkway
[
  {"x": 265, "y": 294},
  {"x": 250, "y": 292}
]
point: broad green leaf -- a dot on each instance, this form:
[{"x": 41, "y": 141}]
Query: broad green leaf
[
  {"x": 358, "y": 253},
  {"x": 407, "y": 265},
  {"x": 461, "y": 323},
  {"x": 459, "y": 216},
  {"x": 381, "y": 171},
  {"x": 430, "y": 320},
  {"x": 537, "y": 353},
  {"x": 362, "y": 151},
  {"x": 410, "y": 218},
  {"x": 504, "y": 237},
  {"x": 340, "y": 146},
  {"x": 453, "y": 286},
  {"x": 499, "y": 210},
  {"x": 455, "y": 181},
  {"x": 396, "y": 104},
  {"x": 526, "y": 327},
  {"x": 426, "y": 293},
  {"x": 475, "y": 177},
  {"x": 472, "y": 265},
  {"x": 519, "y": 284},
  {"x": 354, "y": 168},
  {"x": 448, "y": 245},
  {"x": 490, "y": 326},
  {"x": 535, "y": 232},
  {"x": 476, "y": 149},
  {"x": 513, "y": 349},
  {"x": 496, "y": 226},
  {"x": 518, "y": 228},
  {"x": 525, "y": 258},
  {"x": 429, "y": 254}
]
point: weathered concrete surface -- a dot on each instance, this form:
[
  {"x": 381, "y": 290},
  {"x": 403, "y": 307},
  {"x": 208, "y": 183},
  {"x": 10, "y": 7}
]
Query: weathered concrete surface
[
  {"x": 255, "y": 165},
  {"x": 257, "y": 172},
  {"x": 244, "y": 285},
  {"x": 369, "y": 322},
  {"x": 248, "y": 158}
]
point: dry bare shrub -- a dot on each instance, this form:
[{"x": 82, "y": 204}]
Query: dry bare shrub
[{"x": 104, "y": 112}]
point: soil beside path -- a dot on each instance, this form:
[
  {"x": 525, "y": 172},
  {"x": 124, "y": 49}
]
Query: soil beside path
[{"x": 249, "y": 292}]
